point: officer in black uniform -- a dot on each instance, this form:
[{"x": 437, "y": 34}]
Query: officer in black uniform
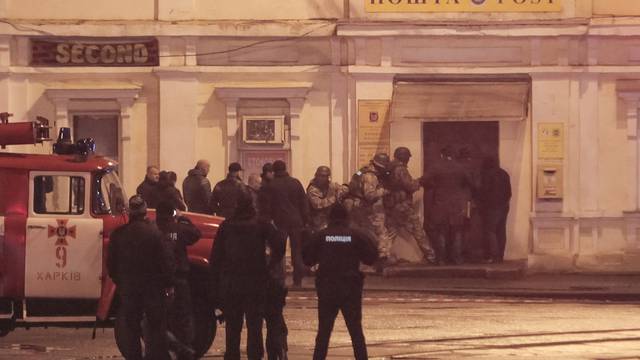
[
  {"x": 239, "y": 274},
  {"x": 179, "y": 233},
  {"x": 338, "y": 250},
  {"x": 141, "y": 267}
]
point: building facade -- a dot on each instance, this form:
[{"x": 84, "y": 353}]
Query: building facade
[{"x": 551, "y": 87}]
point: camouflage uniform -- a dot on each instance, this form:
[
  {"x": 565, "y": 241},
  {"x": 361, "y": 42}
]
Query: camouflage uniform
[
  {"x": 322, "y": 200},
  {"x": 401, "y": 214},
  {"x": 367, "y": 209}
]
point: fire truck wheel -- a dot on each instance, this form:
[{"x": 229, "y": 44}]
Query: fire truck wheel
[{"x": 204, "y": 325}]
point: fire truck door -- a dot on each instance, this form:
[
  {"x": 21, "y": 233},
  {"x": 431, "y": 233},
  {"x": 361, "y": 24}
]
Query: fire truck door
[{"x": 63, "y": 242}]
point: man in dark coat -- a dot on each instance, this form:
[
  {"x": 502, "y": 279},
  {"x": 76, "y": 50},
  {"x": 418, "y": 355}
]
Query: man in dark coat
[
  {"x": 179, "y": 233},
  {"x": 289, "y": 210},
  {"x": 449, "y": 186},
  {"x": 148, "y": 188},
  {"x": 338, "y": 250},
  {"x": 494, "y": 196},
  {"x": 225, "y": 195},
  {"x": 167, "y": 192},
  {"x": 141, "y": 267},
  {"x": 196, "y": 188},
  {"x": 239, "y": 274}
]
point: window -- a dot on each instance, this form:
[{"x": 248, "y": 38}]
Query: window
[
  {"x": 109, "y": 195},
  {"x": 58, "y": 194}
]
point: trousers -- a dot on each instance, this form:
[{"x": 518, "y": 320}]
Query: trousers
[
  {"x": 135, "y": 305},
  {"x": 345, "y": 296}
]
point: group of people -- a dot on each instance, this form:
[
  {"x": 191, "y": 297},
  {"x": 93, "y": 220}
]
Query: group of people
[{"x": 331, "y": 227}]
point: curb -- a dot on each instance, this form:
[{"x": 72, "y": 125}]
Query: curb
[{"x": 614, "y": 296}]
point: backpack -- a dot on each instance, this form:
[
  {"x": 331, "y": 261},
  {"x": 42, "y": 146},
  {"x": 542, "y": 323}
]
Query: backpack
[{"x": 356, "y": 185}]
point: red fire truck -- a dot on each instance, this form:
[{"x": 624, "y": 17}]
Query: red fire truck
[{"x": 56, "y": 214}]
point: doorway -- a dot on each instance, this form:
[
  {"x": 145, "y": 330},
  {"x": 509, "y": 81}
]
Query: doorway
[
  {"x": 471, "y": 141},
  {"x": 102, "y": 127}
]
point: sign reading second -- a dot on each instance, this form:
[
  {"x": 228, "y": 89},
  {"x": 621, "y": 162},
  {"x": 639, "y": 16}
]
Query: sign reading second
[{"x": 94, "y": 52}]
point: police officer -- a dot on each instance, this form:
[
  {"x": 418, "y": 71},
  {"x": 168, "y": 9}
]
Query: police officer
[
  {"x": 141, "y": 267},
  {"x": 450, "y": 186},
  {"x": 401, "y": 213},
  {"x": 322, "y": 194},
  {"x": 365, "y": 201},
  {"x": 239, "y": 274},
  {"x": 179, "y": 233},
  {"x": 338, "y": 250}
]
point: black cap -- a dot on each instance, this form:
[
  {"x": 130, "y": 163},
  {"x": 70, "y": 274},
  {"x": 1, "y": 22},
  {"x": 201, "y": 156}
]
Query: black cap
[
  {"x": 279, "y": 165},
  {"x": 235, "y": 167},
  {"x": 137, "y": 205}
]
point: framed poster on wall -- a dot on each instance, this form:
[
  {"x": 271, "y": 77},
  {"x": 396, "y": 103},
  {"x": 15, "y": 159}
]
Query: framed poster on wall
[{"x": 268, "y": 129}]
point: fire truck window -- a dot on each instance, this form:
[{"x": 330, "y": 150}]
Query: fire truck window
[
  {"x": 110, "y": 197},
  {"x": 58, "y": 194}
]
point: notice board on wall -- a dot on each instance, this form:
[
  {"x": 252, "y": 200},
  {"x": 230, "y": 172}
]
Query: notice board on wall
[
  {"x": 374, "y": 130},
  {"x": 551, "y": 141}
]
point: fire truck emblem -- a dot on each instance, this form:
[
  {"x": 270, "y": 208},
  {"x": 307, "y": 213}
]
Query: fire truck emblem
[{"x": 62, "y": 231}]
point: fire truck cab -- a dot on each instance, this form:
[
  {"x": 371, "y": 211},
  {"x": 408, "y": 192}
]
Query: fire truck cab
[{"x": 56, "y": 214}]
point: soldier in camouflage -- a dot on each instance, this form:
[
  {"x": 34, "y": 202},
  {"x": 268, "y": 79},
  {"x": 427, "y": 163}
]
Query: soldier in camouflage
[
  {"x": 401, "y": 213},
  {"x": 366, "y": 191},
  {"x": 323, "y": 194}
]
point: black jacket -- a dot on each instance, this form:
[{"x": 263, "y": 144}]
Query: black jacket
[
  {"x": 172, "y": 195},
  {"x": 137, "y": 257},
  {"x": 495, "y": 189},
  {"x": 178, "y": 236},
  {"x": 149, "y": 192},
  {"x": 338, "y": 250},
  {"x": 225, "y": 195},
  {"x": 238, "y": 256},
  {"x": 287, "y": 202},
  {"x": 196, "y": 189}
]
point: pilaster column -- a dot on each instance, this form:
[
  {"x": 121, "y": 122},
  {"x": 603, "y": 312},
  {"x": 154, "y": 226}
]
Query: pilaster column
[
  {"x": 178, "y": 122},
  {"x": 233, "y": 126},
  {"x": 589, "y": 139},
  {"x": 296, "y": 105},
  {"x": 125, "y": 148},
  {"x": 339, "y": 116},
  {"x": 632, "y": 102},
  {"x": 62, "y": 115}
]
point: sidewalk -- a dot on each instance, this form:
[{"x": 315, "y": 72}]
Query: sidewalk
[{"x": 503, "y": 280}]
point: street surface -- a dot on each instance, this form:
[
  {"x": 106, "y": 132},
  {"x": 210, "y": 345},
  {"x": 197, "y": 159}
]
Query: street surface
[{"x": 411, "y": 325}]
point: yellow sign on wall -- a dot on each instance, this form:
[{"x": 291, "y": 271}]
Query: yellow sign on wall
[
  {"x": 550, "y": 141},
  {"x": 374, "y": 131},
  {"x": 456, "y": 6}
]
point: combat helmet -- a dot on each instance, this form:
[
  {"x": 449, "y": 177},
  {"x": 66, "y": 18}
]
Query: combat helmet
[
  {"x": 381, "y": 160},
  {"x": 402, "y": 153}
]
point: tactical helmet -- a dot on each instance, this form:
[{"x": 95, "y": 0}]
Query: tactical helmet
[
  {"x": 402, "y": 153},
  {"x": 381, "y": 160},
  {"x": 323, "y": 169}
]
